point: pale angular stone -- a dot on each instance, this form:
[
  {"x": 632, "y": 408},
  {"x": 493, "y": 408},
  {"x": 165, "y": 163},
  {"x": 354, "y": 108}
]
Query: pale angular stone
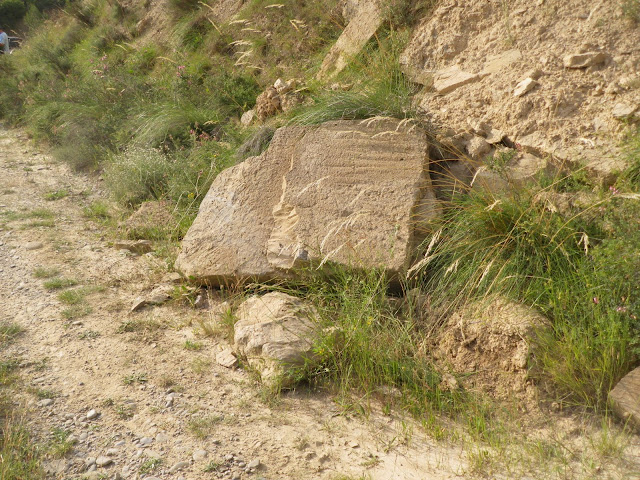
[
  {"x": 248, "y": 117},
  {"x": 363, "y": 25},
  {"x": 352, "y": 192},
  {"x": 524, "y": 87},
  {"x": 496, "y": 63},
  {"x": 584, "y": 60},
  {"x": 274, "y": 332},
  {"x": 139, "y": 247},
  {"x": 452, "y": 78},
  {"x": 625, "y": 398},
  {"x": 227, "y": 358},
  {"x": 622, "y": 111}
]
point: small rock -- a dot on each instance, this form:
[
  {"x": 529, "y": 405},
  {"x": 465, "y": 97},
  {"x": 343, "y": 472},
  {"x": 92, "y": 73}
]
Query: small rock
[
  {"x": 584, "y": 60},
  {"x": 248, "y": 117},
  {"x": 91, "y": 414},
  {"x": 112, "y": 452},
  {"x": 33, "y": 245},
  {"x": 524, "y": 87},
  {"x": 89, "y": 461},
  {"x": 178, "y": 466},
  {"x": 622, "y": 111},
  {"x": 200, "y": 455},
  {"x": 255, "y": 463},
  {"x": 201, "y": 301},
  {"x": 145, "y": 441},
  {"x": 162, "y": 438},
  {"x": 452, "y": 78},
  {"x": 227, "y": 358},
  {"x": 45, "y": 402},
  {"x": 103, "y": 461},
  {"x": 139, "y": 247},
  {"x": 83, "y": 436}
]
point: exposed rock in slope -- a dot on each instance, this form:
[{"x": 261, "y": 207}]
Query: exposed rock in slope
[
  {"x": 581, "y": 56},
  {"x": 625, "y": 398},
  {"x": 354, "y": 192}
]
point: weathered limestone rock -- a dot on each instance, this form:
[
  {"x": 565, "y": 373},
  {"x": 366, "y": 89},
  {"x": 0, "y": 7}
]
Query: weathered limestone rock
[
  {"x": 452, "y": 78},
  {"x": 267, "y": 103},
  {"x": 274, "y": 332},
  {"x": 524, "y": 87},
  {"x": 363, "y": 25},
  {"x": 139, "y": 247},
  {"x": 584, "y": 60},
  {"x": 625, "y": 398},
  {"x": 151, "y": 216},
  {"x": 622, "y": 111},
  {"x": 496, "y": 63},
  {"x": 353, "y": 192},
  {"x": 524, "y": 169},
  {"x": 248, "y": 117}
]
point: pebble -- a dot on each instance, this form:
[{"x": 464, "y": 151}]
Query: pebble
[
  {"x": 112, "y": 452},
  {"x": 200, "y": 455},
  {"x": 83, "y": 436},
  {"x": 119, "y": 444},
  {"x": 146, "y": 441},
  {"x": 89, "y": 461},
  {"x": 178, "y": 466},
  {"x": 255, "y": 463},
  {"x": 162, "y": 438},
  {"x": 45, "y": 402},
  {"x": 103, "y": 461},
  {"x": 91, "y": 414}
]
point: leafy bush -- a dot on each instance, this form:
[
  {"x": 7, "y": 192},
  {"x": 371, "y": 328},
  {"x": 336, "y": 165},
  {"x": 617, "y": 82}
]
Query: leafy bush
[{"x": 12, "y": 11}]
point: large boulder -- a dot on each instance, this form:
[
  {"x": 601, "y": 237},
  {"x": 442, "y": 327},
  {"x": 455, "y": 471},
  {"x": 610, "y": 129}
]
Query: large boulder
[
  {"x": 273, "y": 333},
  {"x": 352, "y": 192}
]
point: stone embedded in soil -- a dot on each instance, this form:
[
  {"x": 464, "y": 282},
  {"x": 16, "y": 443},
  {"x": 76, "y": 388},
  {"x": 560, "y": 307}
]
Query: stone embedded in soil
[
  {"x": 200, "y": 455},
  {"x": 145, "y": 441},
  {"x": 524, "y": 87},
  {"x": 254, "y": 463},
  {"x": 91, "y": 414},
  {"x": 33, "y": 245},
  {"x": 45, "y": 402},
  {"x": 452, "y": 78},
  {"x": 584, "y": 60},
  {"x": 139, "y": 247},
  {"x": 103, "y": 461},
  {"x": 625, "y": 398},
  {"x": 623, "y": 111},
  {"x": 178, "y": 466},
  {"x": 227, "y": 358}
]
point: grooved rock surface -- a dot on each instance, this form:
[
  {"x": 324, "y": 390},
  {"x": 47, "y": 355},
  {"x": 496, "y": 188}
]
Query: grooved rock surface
[
  {"x": 625, "y": 398},
  {"x": 353, "y": 192}
]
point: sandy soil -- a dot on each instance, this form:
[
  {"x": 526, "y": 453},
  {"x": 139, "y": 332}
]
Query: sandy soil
[{"x": 150, "y": 391}]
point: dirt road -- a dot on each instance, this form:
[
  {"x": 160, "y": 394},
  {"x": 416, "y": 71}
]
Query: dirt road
[{"x": 139, "y": 395}]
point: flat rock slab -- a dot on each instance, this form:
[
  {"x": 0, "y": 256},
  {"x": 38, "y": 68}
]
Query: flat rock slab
[
  {"x": 452, "y": 78},
  {"x": 355, "y": 36},
  {"x": 584, "y": 60},
  {"x": 351, "y": 192},
  {"x": 625, "y": 398}
]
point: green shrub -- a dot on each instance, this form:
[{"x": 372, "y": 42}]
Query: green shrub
[
  {"x": 579, "y": 271},
  {"x": 11, "y": 12},
  {"x": 631, "y": 174}
]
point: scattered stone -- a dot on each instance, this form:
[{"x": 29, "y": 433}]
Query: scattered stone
[
  {"x": 90, "y": 461},
  {"x": 324, "y": 203},
  {"x": 622, "y": 111},
  {"x": 173, "y": 278},
  {"x": 163, "y": 437},
  {"x": 83, "y": 436},
  {"x": 522, "y": 170},
  {"x": 200, "y": 455},
  {"x": 157, "y": 296},
  {"x": 496, "y": 63},
  {"x": 274, "y": 331},
  {"x": 201, "y": 301},
  {"x": 103, "y": 461},
  {"x": 624, "y": 398},
  {"x": 248, "y": 117},
  {"x": 452, "y": 78},
  {"x": 178, "y": 466},
  {"x": 227, "y": 358},
  {"x": 254, "y": 463},
  {"x": 33, "y": 245},
  {"x": 145, "y": 441},
  {"x": 149, "y": 218},
  {"x": 45, "y": 402},
  {"x": 525, "y": 87},
  {"x": 584, "y": 60},
  {"x": 91, "y": 414},
  {"x": 267, "y": 104},
  {"x": 363, "y": 25},
  {"x": 112, "y": 452},
  {"x": 139, "y": 247}
]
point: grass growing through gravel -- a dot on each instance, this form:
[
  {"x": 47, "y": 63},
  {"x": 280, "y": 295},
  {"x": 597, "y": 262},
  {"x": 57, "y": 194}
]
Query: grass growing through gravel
[
  {"x": 43, "y": 272},
  {"x": 20, "y": 457},
  {"x": 56, "y": 195},
  {"x": 59, "y": 283},
  {"x": 202, "y": 427}
]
